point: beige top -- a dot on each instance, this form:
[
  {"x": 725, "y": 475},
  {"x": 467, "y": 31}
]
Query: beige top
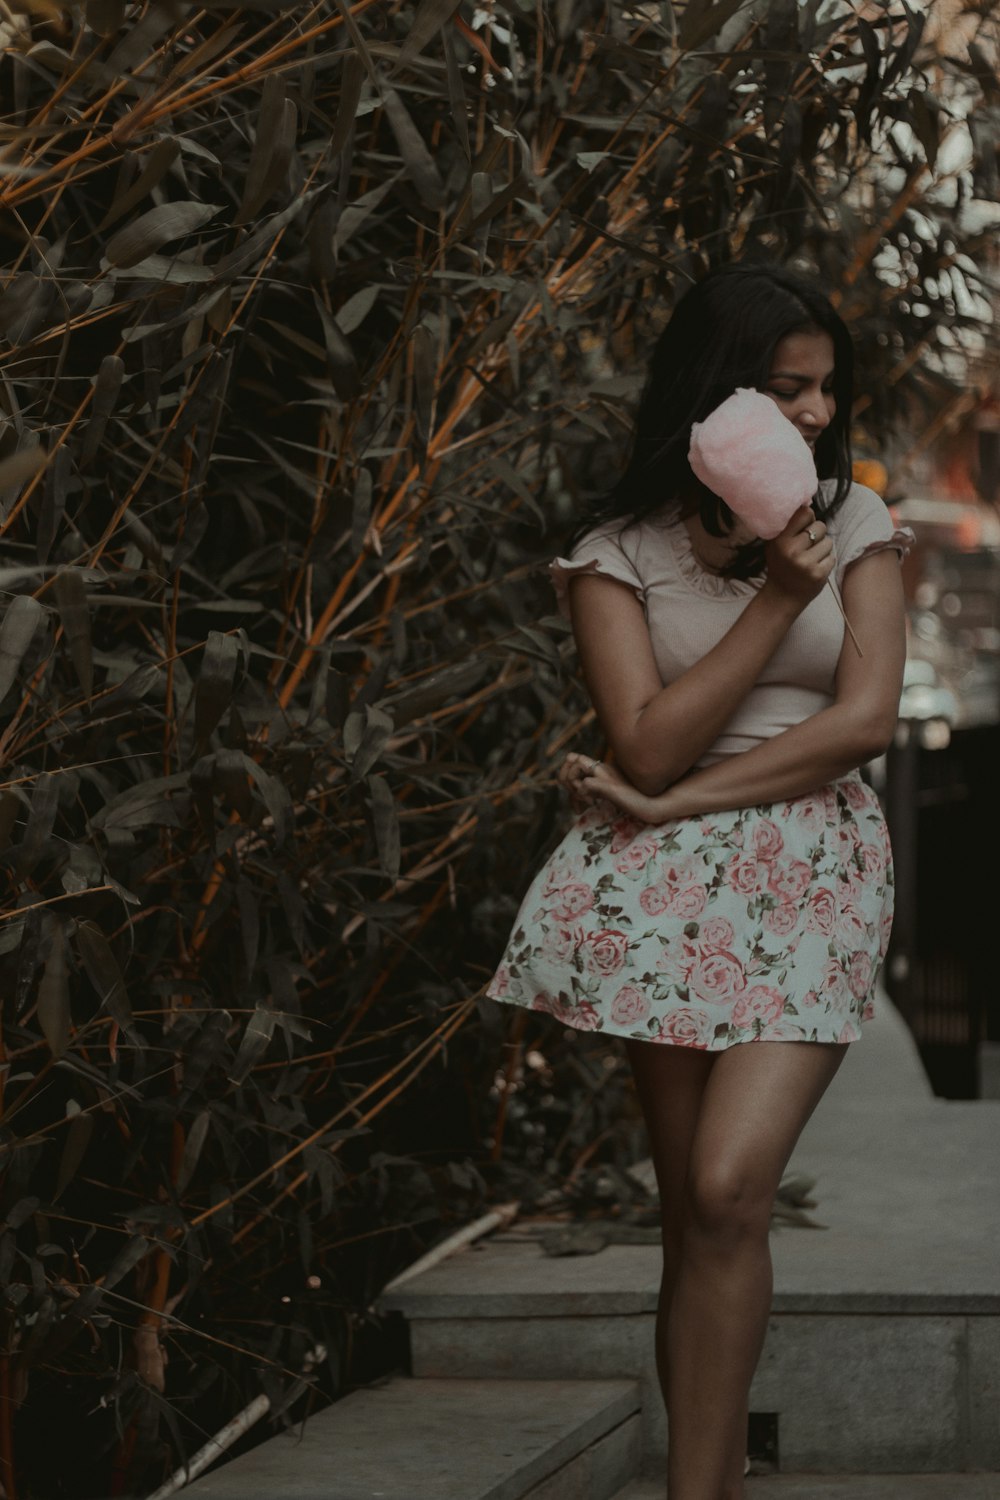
[{"x": 689, "y": 609}]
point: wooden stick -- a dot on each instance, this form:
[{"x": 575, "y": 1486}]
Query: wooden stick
[{"x": 840, "y": 606}]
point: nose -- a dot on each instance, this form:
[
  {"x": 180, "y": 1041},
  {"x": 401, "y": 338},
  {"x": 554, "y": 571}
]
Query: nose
[{"x": 814, "y": 417}]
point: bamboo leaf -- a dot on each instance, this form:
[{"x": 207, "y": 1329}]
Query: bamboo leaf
[
  {"x": 272, "y": 148},
  {"x": 386, "y": 824},
  {"x": 21, "y": 466},
  {"x": 701, "y": 20},
  {"x": 359, "y": 42},
  {"x": 22, "y": 618},
  {"x": 417, "y": 159},
  {"x": 378, "y": 726},
  {"x": 106, "y": 389},
  {"x": 430, "y": 17},
  {"x": 347, "y": 103},
  {"x": 53, "y": 994},
  {"x": 216, "y": 682},
  {"x": 193, "y": 1146},
  {"x": 456, "y": 94},
  {"x": 74, "y": 614},
  {"x": 256, "y": 1037},
  {"x": 155, "y": 228},
  {"x": 104, "y": 974},
  {"x": 156, "y": 166},
  {"x": 340, "y": 356},
  {"x": 78, "y": 1134}
]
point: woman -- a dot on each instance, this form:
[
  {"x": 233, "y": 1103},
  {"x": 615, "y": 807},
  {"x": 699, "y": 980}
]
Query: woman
[{"x": 729, "y": 879}]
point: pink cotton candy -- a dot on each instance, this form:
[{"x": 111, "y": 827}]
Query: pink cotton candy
[{"x": 755, "y": 459}]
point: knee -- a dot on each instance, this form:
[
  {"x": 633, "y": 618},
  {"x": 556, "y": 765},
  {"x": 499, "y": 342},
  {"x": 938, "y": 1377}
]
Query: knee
[{"x": 727, "y": 1205}]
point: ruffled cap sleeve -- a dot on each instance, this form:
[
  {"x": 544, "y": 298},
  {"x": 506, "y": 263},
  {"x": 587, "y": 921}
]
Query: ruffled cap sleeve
[
  {"x": 598, "y": 552},
  {"x": 866, "y": 526}
]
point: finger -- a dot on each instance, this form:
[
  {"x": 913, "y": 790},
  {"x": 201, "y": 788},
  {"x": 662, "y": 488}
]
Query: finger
[{"x": 799, "y": 520}]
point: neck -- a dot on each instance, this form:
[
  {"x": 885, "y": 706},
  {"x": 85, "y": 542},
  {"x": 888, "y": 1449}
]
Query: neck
[{"x": 713, "y": 553}]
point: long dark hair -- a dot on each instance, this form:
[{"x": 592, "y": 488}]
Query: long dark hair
[{"x": 723, "y": 334}]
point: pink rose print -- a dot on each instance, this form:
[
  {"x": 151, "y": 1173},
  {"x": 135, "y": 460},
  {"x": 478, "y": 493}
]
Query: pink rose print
[
  {"x": 809, "y": 814},
  {"x": 685, "y": 1028},
  {"x": 868, "y": 1013},
  {"x": 855, "y": 794},
  {"x": 809, "y": 1000},
  {"x": 561, "y": 942},
  {"x": 759, "y": 1003},
  {"x": 624, "y": 831},
  {"x": 833, "y": 975},
  {"x": 767, "y": 839},
  {"x": 851, "y": 926},
  {"x": 849, "y": 1033},
  {"x": 604, "y": 952},
  {"x": 744, "y": 874},
  {"x": 635, "y": 855},
  {"x": 689, "y": 903},
  {"x": 847, "y": 840},
  {"x": 562, "y": 872},
  {"x": 718, "y": 977},
  {"x": 781, "y": 920},
  {"x": 681, "y": 872},
  {"x": 783, "y": 1031},
  {"x": 677, "y": 960},
  {"x": 874, "y": 859},
  {"x": 629, "y": 1006},
  {"x": 885, "y": 932},
  {"x": 584, "y": 1016},
  {"x": 655, "y": 899},
  {"x": 716, "y": 933},
  {"x": 790, "y": 880},
  {"x": 571, "y": 900},
  {"x": 544, "y": 1001},
  {"x": 820, "y": 911},
  {"x": 500, "y": 983},
  {"x": 859, "y": 974}
]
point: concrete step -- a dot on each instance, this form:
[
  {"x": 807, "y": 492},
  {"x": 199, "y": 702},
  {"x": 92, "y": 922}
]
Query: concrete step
[
  {"x": 883, "y": 1349},
  {"x": 855, "y": 1487},
  {"x": 448, "y": 1440}
]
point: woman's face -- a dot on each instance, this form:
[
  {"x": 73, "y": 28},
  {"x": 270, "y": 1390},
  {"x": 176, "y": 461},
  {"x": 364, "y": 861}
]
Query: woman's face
[{"x": 800, "y": 381}]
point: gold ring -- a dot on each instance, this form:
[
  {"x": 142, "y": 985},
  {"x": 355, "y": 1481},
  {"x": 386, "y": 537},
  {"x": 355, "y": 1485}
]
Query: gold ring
[
  {"x": 593, "y": 768},
  {"x": 811, "y": 534}
]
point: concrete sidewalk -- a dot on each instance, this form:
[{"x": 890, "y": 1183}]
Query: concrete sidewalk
[{"x": 883, "y": 1348}]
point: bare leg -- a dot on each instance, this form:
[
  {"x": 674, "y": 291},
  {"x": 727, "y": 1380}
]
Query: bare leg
[
  {"x": 670, "y": 1084},
  {"x": 756, "y": 1101}
]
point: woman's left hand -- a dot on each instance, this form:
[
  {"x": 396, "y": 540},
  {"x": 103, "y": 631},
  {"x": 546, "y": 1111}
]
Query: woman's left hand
[{"x": 588, "y": 781}]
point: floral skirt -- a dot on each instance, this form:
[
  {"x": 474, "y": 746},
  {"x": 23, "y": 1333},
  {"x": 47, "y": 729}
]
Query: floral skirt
[{"x": 766, "y": 923}]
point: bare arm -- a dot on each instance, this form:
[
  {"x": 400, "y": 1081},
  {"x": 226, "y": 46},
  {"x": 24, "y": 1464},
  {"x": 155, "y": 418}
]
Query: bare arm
[
  {"x": 657, "y": 733},
  {"x": 857, "y": 726}
]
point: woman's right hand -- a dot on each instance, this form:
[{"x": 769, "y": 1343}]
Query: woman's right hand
[{"x": 797, "y": 567}]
